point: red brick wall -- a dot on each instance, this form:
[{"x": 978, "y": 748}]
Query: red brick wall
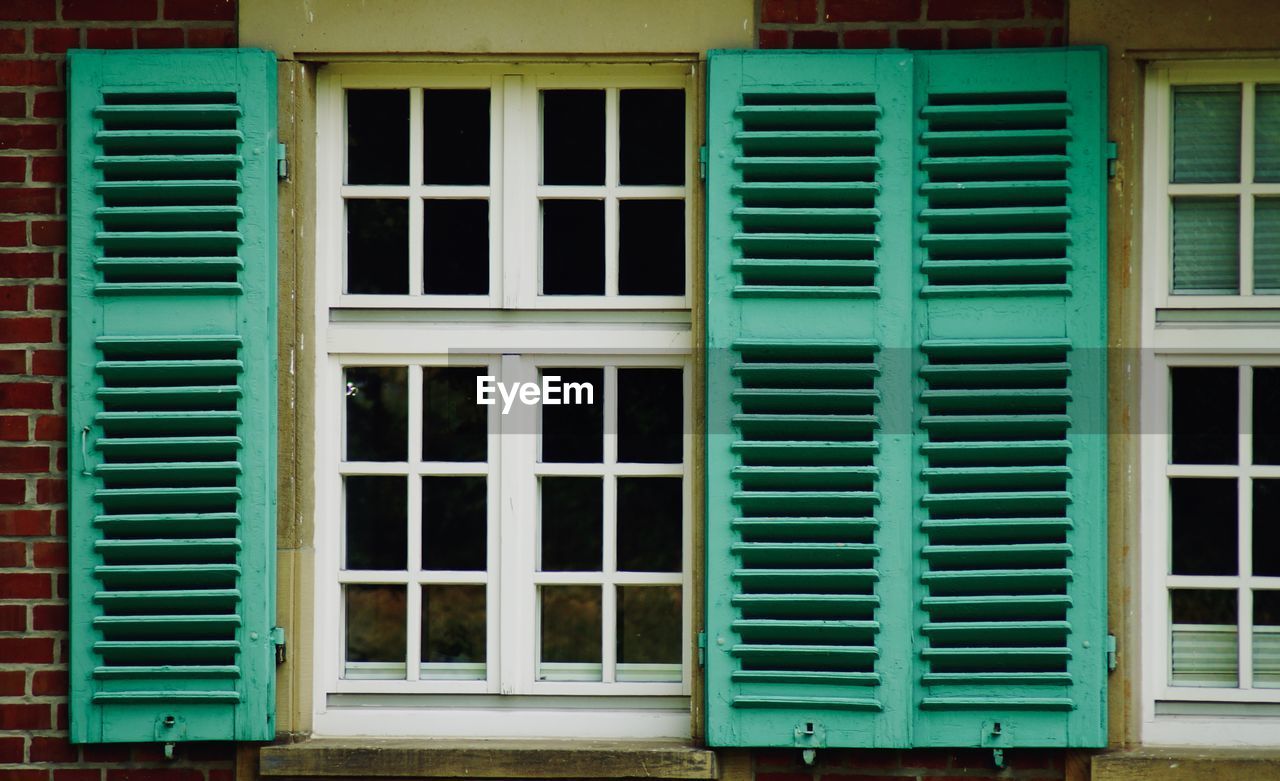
[
  {"x": 34, "y": 35},
  {"x": 909, "y": 24},
  {"x": 923, "y": 764}
]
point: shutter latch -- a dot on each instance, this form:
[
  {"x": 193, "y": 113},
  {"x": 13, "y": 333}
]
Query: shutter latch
[
  {"x": 277, "y": 639},
  {"x": 702, "y": 163},
  {"x": 282, "y": 161},
  {"x": 1111, "y": 653},
  {"x": 702, "y": 649},
  {"x": 1112, "y": 155}
]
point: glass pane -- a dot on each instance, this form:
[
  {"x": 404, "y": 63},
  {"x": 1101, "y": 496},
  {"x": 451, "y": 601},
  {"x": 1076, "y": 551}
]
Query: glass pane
[
  {"x": 573, "y": 248},
  {"x": 651, "y": 248},
  {"x": 378, "y": 136},
  {"x": 651, "y": 146},
  {"x": 1204, "y": 526},
  {"x": 649, "y": 515},
  {"x": 377, "y": 413},
  {"x": 375, "y": 619},
  {"x": 1266, "y": 246},
  {"x": 650, "y": 416},
  {"x": 455, "y": 125},
  {"x": 455, "y": 523},
  {"x": 1266, "y": 528},
  {"x": 573, "y": 137},
  {"x": 1266, "y": 639},
  {"x": 454, "y": 426},
  {"x": 1205, "y": 638},
  {"x": 1206, "y": 246},
  {"x": 1205, "y": 408},
  {"x": 574, "y": 433},
  {"x": 648, "y": 627},
  {"x": 1206, "y": 133},
  {"x": 378, "y": 246},
  {"x": 572, "y": 523},
  {"x": 455, "y": 247},
  {"x": 1266, "y": 415},
  {"x": 570, "y": 633},
  {"x": 375, "y": 521},
  {"x": 1266, "y": 133},
  {"x": 453, "y": 633}
]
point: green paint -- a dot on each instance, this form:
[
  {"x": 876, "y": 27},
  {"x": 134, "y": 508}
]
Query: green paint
[
  {"x": 172, "y": 395},
  {"x": 906, "y": 399}
]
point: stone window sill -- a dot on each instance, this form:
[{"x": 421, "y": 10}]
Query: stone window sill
[
  {"x": 1174, "y": 764},
  {"x": 478, "y": 758}
]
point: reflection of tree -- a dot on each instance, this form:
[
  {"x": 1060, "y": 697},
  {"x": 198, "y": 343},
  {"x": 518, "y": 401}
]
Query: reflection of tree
[
  {"x": 454, "y": 523},
  {"x": 377, "y": 413},
  {"x": 375, "y": 623},
  {"x": 454, "y": 426},
  {"x": 572, "y": 523},
  {"x": 571, "y": 624},
  {"x": 649, "y": 624},
  {"x": 453, "y": 624}
]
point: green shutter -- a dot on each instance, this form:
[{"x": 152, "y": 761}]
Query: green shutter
[
  {"x": 171, "y": 158},
  {"x": 906, "y": 385}
]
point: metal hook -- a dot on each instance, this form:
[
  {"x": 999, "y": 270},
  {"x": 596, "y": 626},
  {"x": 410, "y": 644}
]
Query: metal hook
[{"x": 84, "y": 452}]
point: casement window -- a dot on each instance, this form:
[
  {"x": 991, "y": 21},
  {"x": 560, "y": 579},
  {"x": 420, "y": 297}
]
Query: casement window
[
  {"x": 516, "y": 226},
  {"x": 1211, "y": 621}
]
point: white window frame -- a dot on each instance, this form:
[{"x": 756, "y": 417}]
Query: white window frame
[
  {"x": 1197, "y": 331},
  {"x": 514, "y": 331}
]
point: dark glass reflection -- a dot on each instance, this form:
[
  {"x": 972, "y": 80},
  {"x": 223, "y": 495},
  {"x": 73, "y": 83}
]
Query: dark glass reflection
[
  {"x": 455, "y": 126},
  {"x": 572, "y": 523},
  {"x": 375, "y": 520},
  {"x": 454, "y": 427},
  {"x": 1196, "y": 606},
  {"x": 378, "y": 136},
  {"x": 453, "y": 624},
  {"x": 650, "y": 416},
  {"x": 649, "y": 624},
  {"x": 651, "y": 144},
  {"x": 1204, "y": 526},
  {"x": 572, "y": 248},
  {"x": 570, "y": 624},
  {"x": 455, "y": 247},
  {"x": 1266, "y": 527},
  {"x": 651, "y": 248},
  {"x": 650, "y": 510},
  {"x": 454, "y": 523},
  {"x": 1266, "y": 415},
  {"x": 378, "y": 246},
  {"x": 375, "y": 623},
  {"x": 377, "y": 413},
  {"x": 574, "y": 433},
  {"x": 1205, "y": 407},
  {"x": 573, "y": 137}
]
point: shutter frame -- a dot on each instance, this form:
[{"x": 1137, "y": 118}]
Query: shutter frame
[
  {"x": 174, "y": 309},
  {"x": 941, "y": 306}
]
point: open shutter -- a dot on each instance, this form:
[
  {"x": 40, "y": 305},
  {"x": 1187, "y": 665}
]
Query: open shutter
[
  {"x": 906, "y": 399},
  {"x": 171, "y": 157},
  {"x": 1012, "y": 400}
]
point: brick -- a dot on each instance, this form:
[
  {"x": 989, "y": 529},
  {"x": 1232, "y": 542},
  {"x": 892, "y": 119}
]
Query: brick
[
  {"x": 114, "y": 11},
  {"x": 13, "y": 234},
  {"x": 206, "y": 37},
  {"x": 1020, "y": 37},
  {"x": 789, "y": 11},
  {"x": 13, "y": 618},
  {"x": 13, "y": 554},
  {"x": 56, "y": 39},
  {"x": 24, "y": 459},
  {"x": 961, "y": 38},
  {"x": 13, "y": 104},
  {"x": 60, "y": 456},
  {"x": 49, "y": 363},
  {"x": 775, "y": 757},
  {"x": 200, "y": 10},
  {"x": 11, "y": 749},
  {"x": 62, "y": 717},
  {"x": 13, "y": 41},
  {"x": 13, "y": 169},
  {"x": 105, "y": 753},
  {"x": 155, "y": 774},
  {"x": 13, "y": 361},
  {"x": 49, "y": 169},
  {"x": 25, "y": 264},
  {"x": 1056, "y": 36},
  {"x": 160, "y": 38},
  {"x": 210, "y": 751},
  {"x": 26, "y": 395},
  {"x": 28, "y": 137},
  {"x": 51, "y": 427},
  {"x": 869, "y": 759},
  {"x": 27, "y": 200},
  {"x": 51, "y": 297},
  {"x": 773, "y": 39},
  {"x": 24, "y": 775},
  {"x": 27, "y": 10},
  {"x": 26, "y": 650},
  {"x": 872, "y": 10},
  {"x": 815, "y": 39},
  {"x": 12, "y": 492},
  {"x": 974, "y": 9},
  {"x": 13, "y": 298},
  {"x": 13, "y": 428},
  {"x": 51, "y": 749},
  {"x": 784, "y": 777},
  {"x": 110, "y": 38},
  {"x": 60, "y": 523},
  {"x": 24, "y": 523},
  {"x": 24, "y": 73},
  {"x": 925, "y": 38},
  {"x": 77, "y": 775},
  {"x": 49, "y": 233},
  {"x": 49, "y": 618},
  {"x": 50, "y": 104},
  {"x": 51, "y": 683},
  {"x": 1048, "y": 9},
  {"x": 26, "y": 329},
  {"x": 219, "y": 775},
  {"x": 51, "y": 554}
]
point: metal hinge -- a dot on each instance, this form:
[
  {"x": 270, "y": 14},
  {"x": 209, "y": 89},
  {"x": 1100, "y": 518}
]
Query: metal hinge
[
  {"x": 277, "y": 639},
  {"x": 702, "y": 649},
  {"x": 282, "y": 161},
  {"x": 702, "y": 163},
  {"x": 1112, "y": 154},
  {"x": 1111, "y": 653}
]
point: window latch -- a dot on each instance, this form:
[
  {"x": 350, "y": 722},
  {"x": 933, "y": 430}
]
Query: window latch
[
  {"x": 282, "y": 162},
  {"x": 1111, "y": 653},
  {"x": 702, "y": 163},
  {"x": 277, "y": 639},
  {"x": 1112, "y": 156},
  {"x": 702, "y": 649}
]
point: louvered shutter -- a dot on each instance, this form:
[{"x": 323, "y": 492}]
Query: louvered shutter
[
  {"x": 936, "y": 577},
  {"x": 171, "y": 158}
]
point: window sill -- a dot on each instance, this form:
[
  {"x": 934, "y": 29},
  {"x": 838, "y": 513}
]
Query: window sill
[
  {"x": 477, "y": 758},
  {"x": 1180, "y": 764}
]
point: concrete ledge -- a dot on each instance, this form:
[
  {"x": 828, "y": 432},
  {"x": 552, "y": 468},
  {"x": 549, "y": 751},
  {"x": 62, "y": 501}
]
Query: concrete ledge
[
  {"x": 1187, "y": 765},
  {"x": 430, "y": 758}
]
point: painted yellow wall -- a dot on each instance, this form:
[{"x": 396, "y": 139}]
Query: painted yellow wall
[{"x": 306, "y": 28}]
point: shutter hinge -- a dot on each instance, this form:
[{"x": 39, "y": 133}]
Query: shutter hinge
[
  {"x": 1112, "y": 155},
  {"x": 282, "y": 161},
  {"x": 702, "y": 163},
  {"x": 1111, "y": 653},
  {"x": 702, "y": 649},
  {"x": 277, "y": 639}
]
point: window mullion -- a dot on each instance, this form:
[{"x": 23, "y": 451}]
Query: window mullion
[
  {"x": 413, "y": 601},
  {"x": 519, "y": 172},
  {"x": 416, "y": 258},
  {"x": 1244, "y": 487},
  {"x": 609, "y": 562},
  {"x": 518, "y": 618},
  {"x": 611, "y": 145}
]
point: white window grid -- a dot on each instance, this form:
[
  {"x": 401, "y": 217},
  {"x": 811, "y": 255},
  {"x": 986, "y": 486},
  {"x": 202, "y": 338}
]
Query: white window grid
[
  {"x": 1159, "y": 192},
  {"x": 514, "y": 191}
]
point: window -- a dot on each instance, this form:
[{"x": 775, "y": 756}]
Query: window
[
  {"x": 505, "y": 492},
  {"x": 1211, "y": 377}
]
